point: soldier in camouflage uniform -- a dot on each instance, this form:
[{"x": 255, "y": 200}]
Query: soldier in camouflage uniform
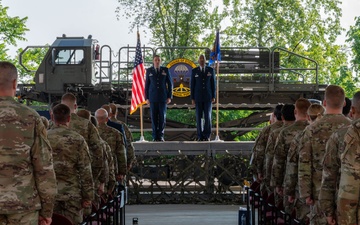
[
  {"x": 108, "y": 169},
  {"x": 261, "y": 141},
  {"x": 288, "y": 118},
  {"x": 291, "y": 189},
  {"x": 335, "y": 146},
  {"x": 72, "y": 167},
  {"x": 110, "y": 164},
  {"x": 28, "y": 184},
  {"x": 90, "y": 134},
  {"x": 104, "y": 175},
  {"x": 312, "y": 150},
  {"x": 282, "y": 146},
  {"x": 130, "y": 153},
  {"x": 348, "y": 210},
  {"x": 111, "y": 178},
  {"x": 116, "y": 141}
]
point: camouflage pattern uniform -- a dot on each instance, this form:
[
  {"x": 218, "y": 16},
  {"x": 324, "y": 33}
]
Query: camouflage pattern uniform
[
  {"x": 260, "y": 137},
  {"x": 130, "y": 152},
  {"x": 92, "y": 138},
  {"x": 269, "y": 156},
  {"x": 285, "y": 138},
  {"x": 282, "y": 146},
  {"x": 270, "y": 151},
  {"x": 104, "y": 176},
  {"x": 260, "y": 146},
  {"x": 27, "y": 177},
  {"x": 110, "y": 178},
  {"x": 312, "y": 150},
  {"x": 73, "y": 172},
  {"x": 291, "y": 187},
  {"x": 116, "y": 142},
  {"x": 335, "y": 146},
  {"x": 348, "y": 209},
  {"x": 45, "y": 121}
]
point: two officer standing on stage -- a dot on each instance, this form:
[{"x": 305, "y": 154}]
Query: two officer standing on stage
[{"x": 158, "y": 93}]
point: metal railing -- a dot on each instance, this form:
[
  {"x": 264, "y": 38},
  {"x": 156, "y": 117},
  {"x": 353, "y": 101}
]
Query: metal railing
[
  {"x": 110, "y": 212},
  {"x": 262, "y": 211}
]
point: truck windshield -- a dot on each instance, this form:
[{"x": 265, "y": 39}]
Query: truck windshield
[{"x": 69, "y": 56}]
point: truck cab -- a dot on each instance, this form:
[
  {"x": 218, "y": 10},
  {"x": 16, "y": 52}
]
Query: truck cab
[{"x": 69, "y": 63}]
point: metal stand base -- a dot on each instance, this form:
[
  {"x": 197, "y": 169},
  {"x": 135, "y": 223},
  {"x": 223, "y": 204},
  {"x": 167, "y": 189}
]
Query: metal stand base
[{"x": 217, "y": 138}]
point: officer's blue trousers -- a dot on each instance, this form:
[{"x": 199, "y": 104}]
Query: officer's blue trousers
[
  {"x": 158, "y": 119},
  {"x": 203, "y": 110}
]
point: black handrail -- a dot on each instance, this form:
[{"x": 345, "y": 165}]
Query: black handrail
[{"x": 111, "y": 212}]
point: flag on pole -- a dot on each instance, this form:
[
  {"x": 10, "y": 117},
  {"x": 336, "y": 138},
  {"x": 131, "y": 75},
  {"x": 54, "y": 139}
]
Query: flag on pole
[
  {"x": 215, "y": 53},
  {"x": 138, "y": 85}
]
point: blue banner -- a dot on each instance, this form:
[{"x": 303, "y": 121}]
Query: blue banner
[{"x": 215, "y": 54}]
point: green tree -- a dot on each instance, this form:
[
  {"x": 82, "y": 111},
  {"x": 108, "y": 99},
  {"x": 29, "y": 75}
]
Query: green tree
[
  {"x": 31, "y": 59},
  {"x": 353, "y": 38},
  {"x": 306, "y": 27},
  {"x": 173, "y": 22},
  {"x": 12, "y": 29}
]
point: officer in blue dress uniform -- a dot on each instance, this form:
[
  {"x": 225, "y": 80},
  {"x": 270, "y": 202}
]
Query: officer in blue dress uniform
[
  {"x": 158, "y": 93},
  {"x": 203, "y": 91}
]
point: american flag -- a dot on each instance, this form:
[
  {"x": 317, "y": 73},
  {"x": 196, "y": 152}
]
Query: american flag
[{"x": 138, "y": 85}]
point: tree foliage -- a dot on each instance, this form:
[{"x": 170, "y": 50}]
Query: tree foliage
[
  {"x": 31, "y": 59},
  {"x": 172, "y": 22},
  {"x": 12, "y": 29},
  {"x": 306, "y": 27},
  {"x": 353, "y": 37}
]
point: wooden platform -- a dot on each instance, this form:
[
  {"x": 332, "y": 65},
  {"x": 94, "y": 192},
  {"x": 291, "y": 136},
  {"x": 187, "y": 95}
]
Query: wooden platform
[{"x": 190, "y": 147}]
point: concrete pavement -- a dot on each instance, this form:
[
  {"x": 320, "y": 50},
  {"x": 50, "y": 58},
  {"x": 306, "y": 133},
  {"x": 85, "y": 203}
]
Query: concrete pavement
[{"x": 182, "y": 214}]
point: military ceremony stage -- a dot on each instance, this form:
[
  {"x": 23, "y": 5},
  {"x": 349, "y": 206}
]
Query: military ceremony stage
[{"x": 189, "y": 172}]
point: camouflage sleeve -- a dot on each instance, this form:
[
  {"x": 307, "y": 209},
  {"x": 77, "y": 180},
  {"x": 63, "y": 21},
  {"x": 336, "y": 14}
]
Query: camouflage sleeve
[
  {"x": 85, "y": 173},
  {"x": 269, "y": 156},
  {"x": 252, "y": 164},
  {"x": 305, "y": 165},
  {"x": 291, "y": 175},
  {"x": 279, "y": 163},
  {"x": 112, "y": 178},
  {"x": 96, "y": 151},
  {"x": 130, "y": 152},
  {"x": 331, "y": 166},
  {"x": 349, "y": 187},
  {"x": 259, "y": 150},
  {"x": 121, "y": 154},
  {"x": 253, "y": 155},
  {"x": 104, "y": 175},
  {"x": 43, "y": 169}
]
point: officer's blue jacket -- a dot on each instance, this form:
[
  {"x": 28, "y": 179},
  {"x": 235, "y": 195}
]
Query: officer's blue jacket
[
  {"x": 158, "y": 86},
  {"x": 202, "y": 85}
]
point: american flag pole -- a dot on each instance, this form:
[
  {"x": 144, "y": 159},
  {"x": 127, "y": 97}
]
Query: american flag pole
[
  {"x": 138, "y": 85},
  {"x": 217, "y": 137},
  {"x": 142, "y": 138}
]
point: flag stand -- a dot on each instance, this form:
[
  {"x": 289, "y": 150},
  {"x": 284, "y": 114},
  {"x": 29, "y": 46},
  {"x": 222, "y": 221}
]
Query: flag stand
[
  {"x": 138, "y": 98},
  {"x": 217, "y": 138},
  {"x": 142, "y": 139}
]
